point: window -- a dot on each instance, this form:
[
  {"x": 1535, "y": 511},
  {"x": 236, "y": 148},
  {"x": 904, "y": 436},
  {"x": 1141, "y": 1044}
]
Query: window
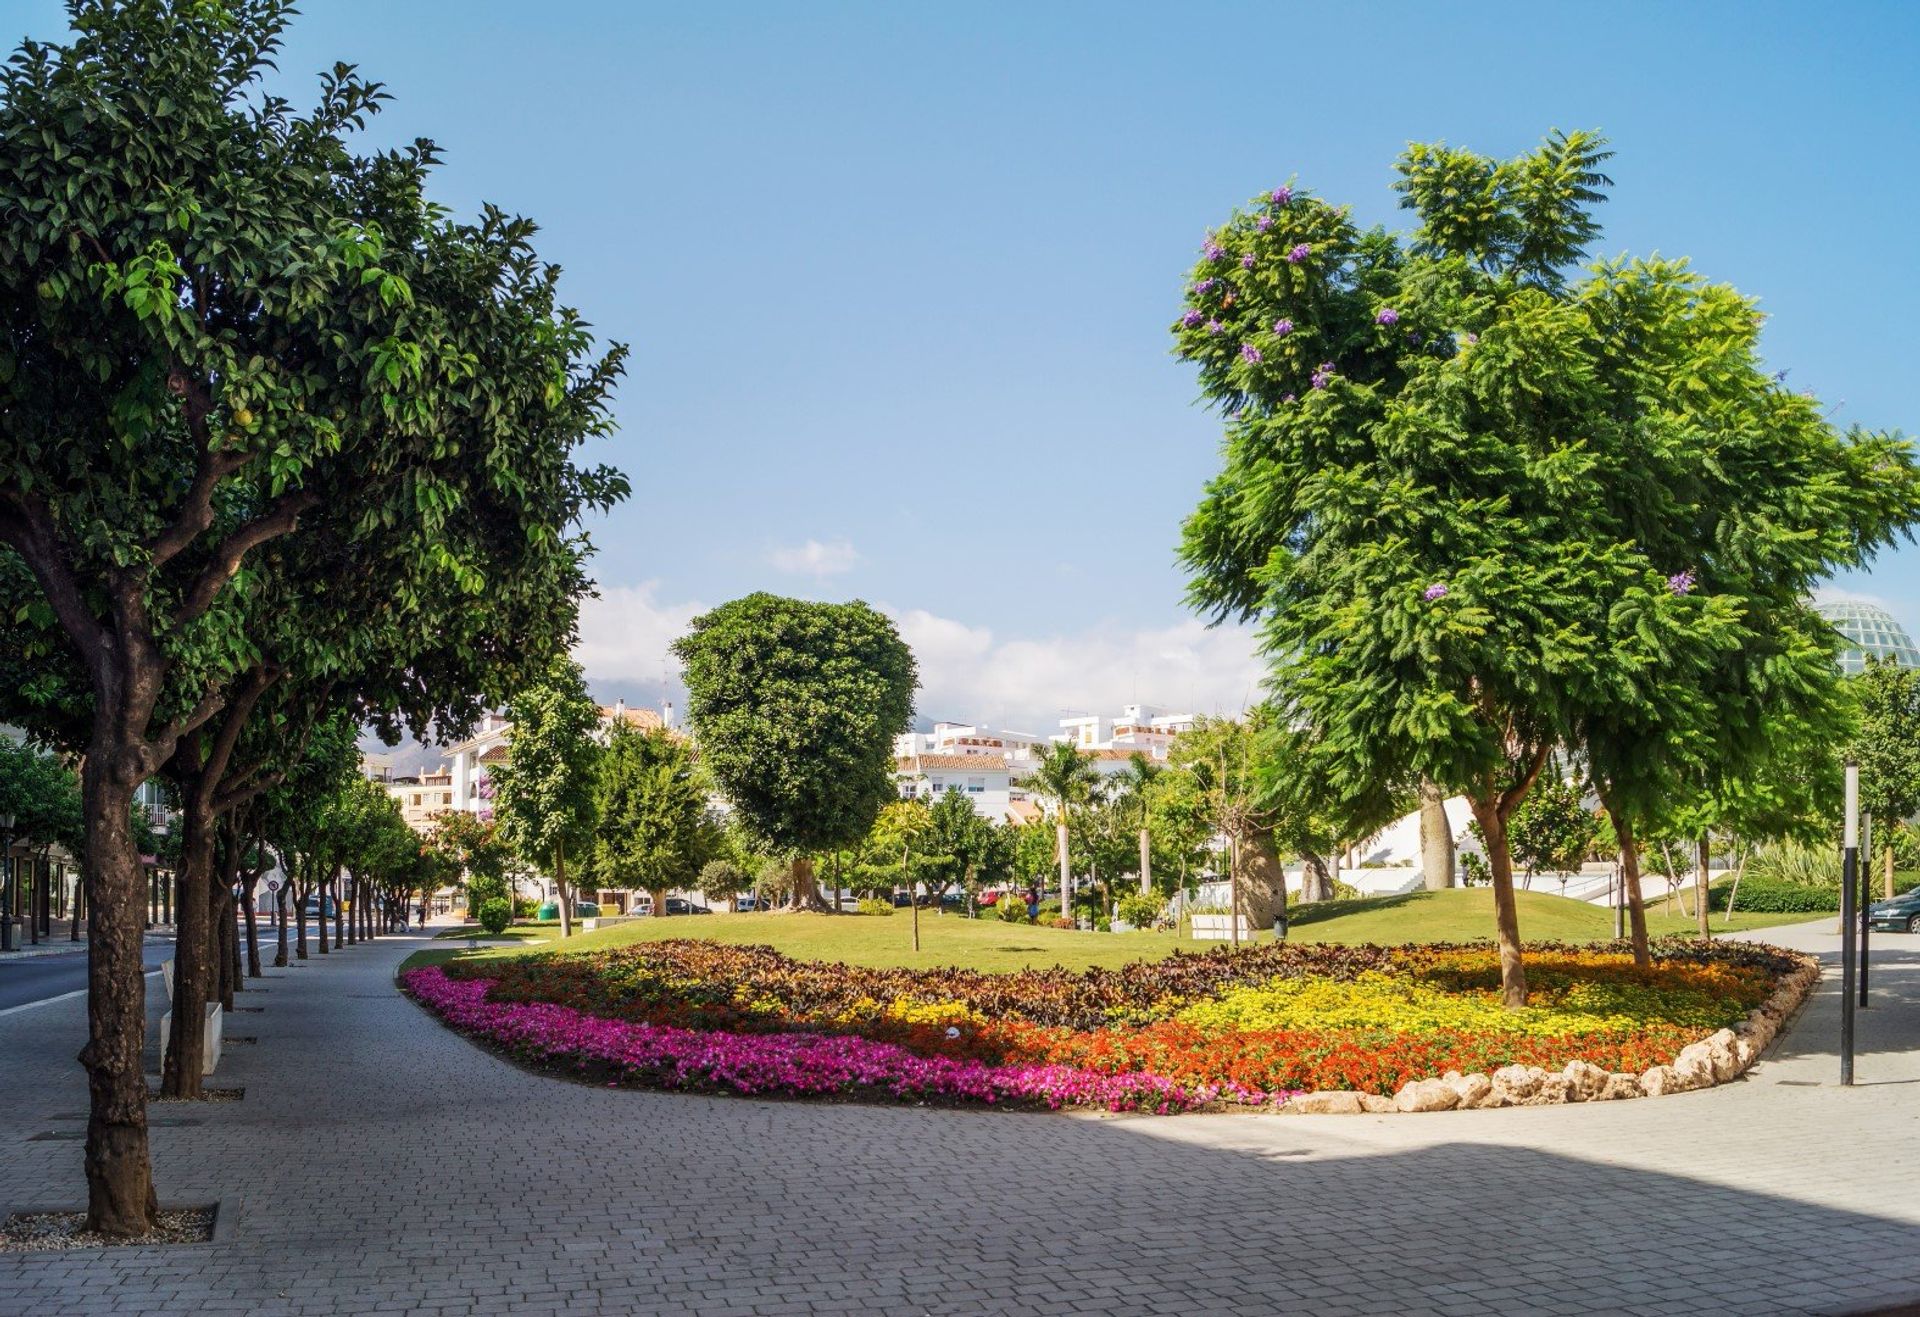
[{"x": 976, "y": 786}]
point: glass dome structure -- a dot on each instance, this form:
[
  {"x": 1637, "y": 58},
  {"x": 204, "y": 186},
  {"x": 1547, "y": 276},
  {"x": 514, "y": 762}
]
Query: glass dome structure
[{"x": 1869, "y": 632}]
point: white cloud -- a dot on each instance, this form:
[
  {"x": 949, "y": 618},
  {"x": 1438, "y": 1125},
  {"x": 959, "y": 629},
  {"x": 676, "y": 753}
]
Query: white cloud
[
  {"x": 626, "y": 631},
  {"x": 970, "y": 673},
  {"x": 1834, "y": 594},
  {"x": 814, "y": 558}
]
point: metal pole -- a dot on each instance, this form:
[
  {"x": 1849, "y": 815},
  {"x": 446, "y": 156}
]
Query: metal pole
[
  {"x": 1849, "y": 867},
  {"x": 1866, "y": 899}
]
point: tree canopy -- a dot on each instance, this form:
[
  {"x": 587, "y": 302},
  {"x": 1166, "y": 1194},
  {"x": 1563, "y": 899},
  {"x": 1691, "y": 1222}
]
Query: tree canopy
[
  {"x": 1480, "y": 507},
  {"x": 795, "y": 706}
]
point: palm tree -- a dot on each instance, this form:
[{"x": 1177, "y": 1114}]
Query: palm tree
[
  {"x": 1066, "y": 777},
  {"x": 1134, "y": 786}
]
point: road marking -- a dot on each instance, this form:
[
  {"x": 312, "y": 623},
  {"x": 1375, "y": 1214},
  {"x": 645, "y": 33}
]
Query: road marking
[{"x": 65, "y": 996}]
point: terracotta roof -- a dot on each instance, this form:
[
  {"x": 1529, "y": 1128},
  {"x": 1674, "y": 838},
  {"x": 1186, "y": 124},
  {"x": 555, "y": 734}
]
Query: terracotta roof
[
  {"x": 978, "y": 763},
  {"x": 1023, "y": 811},
  {"x": 635, "y": 717},
  {"x": 495, "y": 755}
]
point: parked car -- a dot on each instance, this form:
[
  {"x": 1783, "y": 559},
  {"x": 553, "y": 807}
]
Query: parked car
[
  {"x": 679, "y": 905},
  {"x": 313, "y": 907},
  {"x": 1900, "y": 915},
  {"x": 642, "y": 906},
  {"x": 745, "y": 904},
  {"x": 989, "y": 898}
]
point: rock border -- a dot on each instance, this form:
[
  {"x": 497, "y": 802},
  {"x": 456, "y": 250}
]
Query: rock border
[{"x": 1721, "y": 1056}]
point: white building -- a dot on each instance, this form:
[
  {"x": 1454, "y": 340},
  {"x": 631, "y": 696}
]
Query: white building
[
  {"x": 986, "y": 780},
  {"x": 1140, "y": 727}
]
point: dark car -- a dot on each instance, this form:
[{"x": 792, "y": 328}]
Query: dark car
[
  {"x": 679, "y": 905},
  {"x": 1900, "y": 915}
]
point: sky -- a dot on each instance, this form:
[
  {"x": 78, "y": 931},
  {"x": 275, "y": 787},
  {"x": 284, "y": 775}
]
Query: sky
[{"x": 897, "y": 278}]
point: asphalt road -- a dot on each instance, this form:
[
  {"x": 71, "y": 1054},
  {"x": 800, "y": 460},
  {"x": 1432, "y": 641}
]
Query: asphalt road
[{"x": 32, "y": 979}]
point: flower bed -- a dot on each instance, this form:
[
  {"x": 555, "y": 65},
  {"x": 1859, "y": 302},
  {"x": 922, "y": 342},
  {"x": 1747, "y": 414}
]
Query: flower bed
[{"x": 1248, "y": 1027}]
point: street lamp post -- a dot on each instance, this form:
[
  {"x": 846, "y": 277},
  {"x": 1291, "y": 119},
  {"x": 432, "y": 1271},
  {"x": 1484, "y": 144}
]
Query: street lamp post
[
  {"x": 6, "y": 882},
  {"x": 1849, "y": 872}
]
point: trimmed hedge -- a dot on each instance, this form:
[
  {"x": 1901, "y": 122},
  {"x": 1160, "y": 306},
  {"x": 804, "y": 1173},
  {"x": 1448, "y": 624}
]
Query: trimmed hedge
[{"x": 1762, "y": 895}]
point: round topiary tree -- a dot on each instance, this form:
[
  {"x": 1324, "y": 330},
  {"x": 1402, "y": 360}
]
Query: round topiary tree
[{"x": 795, "y": 706}]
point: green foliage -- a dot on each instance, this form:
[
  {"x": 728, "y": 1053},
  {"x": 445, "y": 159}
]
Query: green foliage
[
  {"x": 723, "y": 880},
  {"x": 962, "y": 848},
  {"x": 1552, "y": 829},
  {"x": 652, "y": 827},
  {"x": 1477, "y": 510},
  {"x": 1886, "y": 744},
  {"x": 1141, "y": 909},
  {"x": 795, "y": 706},
  {"x": 42, "y": 794},
  {"x": 1794, "y": 864},
  {"x": 473, "y": 850},
  {"x": 1011, "y": 909},
  {"x": 495, "y": 915},
  {"x": 1760, "y": 893},
  {"x": 874, "y": 905},
  {"x": 544, "y": 793}
]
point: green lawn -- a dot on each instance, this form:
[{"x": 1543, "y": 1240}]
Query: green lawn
[{"x": 988, "y": 944}]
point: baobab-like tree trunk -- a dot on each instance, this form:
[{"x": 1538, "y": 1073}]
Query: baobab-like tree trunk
[
  {"x": 1146, "y": 862},
  {"x": 1066, "y": 864},
  {"x": 806, "y": 888},
  {"x": 1700, "y": 885},
  {"x": 1263, "y": 882},
  {"x": 1436, "y": 838},
  {"x": 1506, "y": 913},
  {"x": 120, "y": 1196}
]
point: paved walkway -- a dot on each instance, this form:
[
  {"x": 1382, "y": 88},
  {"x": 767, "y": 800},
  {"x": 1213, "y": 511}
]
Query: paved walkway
[{"x": 381, "y": 1164}]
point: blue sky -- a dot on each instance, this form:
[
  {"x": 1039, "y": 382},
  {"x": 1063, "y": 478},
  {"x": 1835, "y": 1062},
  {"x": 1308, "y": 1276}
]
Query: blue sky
[{"x": 897, "y": 277}]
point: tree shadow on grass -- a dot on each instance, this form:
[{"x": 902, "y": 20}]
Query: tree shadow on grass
[{"x": 1314, "y": 912}]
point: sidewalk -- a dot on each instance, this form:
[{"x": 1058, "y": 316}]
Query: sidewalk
[{"x": 380, "y": 1163}]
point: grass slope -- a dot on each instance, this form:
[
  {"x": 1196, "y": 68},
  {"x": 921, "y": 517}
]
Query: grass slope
[{"x": 1461, "y": 915}]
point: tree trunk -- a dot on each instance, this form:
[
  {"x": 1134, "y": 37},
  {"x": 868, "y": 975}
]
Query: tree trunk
[
  {"x": 325, "y": 888},
  {"x": 1314, "y": 878},
  {"x": 253, "y": 928},
  {"x": 1700, "y": 885},
  {"x": 1066, "y": 864},
  {"x": 1436, "y": 838},
  {"x": 280, "y": 924},
  {"x": 1233, "y": 891},
  {"x": 1263, "y": 882},
  {"x": 1506, "y": 913},
  {"x": 353, "y": 902},
  {"x": 913, "y": 898},
  {"x": 560, "y": 886},
  {"x": 194, "y": 966},
  {"x": 120, "y": 1197},
  {"x": 230, "y": 949},
  {"x": 806, "y": 889},
  {"x": 1630, "y": 885},
  {"x": 339, "y": 910},
  {"x": 1146, "y": 863},
  {"x": 1886, "y": 868}
]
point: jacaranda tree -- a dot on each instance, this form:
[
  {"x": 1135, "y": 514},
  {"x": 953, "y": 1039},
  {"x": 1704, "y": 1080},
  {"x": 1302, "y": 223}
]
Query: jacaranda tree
[{"x": 1435, "y": 494}]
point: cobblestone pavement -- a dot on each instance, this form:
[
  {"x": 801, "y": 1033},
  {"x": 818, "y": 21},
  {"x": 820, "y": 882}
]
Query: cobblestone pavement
[{"x": 380, "y": 1164}]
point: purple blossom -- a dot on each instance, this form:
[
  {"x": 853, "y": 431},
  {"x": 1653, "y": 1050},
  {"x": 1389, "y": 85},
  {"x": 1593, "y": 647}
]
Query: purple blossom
[
  {"x": 1246, "y": 262},
  {"x": 1433, "y": 592},
  {"x": 1471, "y": 339},
  {"x": 1264, "y": 223},
  {"x": 1213, "y": 251},
  {"x": 1281, "y": 195},
  {"x": 1299, "y": 254},
  {"x": 1321, "y": 374},
  {"x": 1214, "y": 326},
  {"x": 1206, "y": 285},
  {"x": 1288, "y": 398},
  {"x": 1282, "y": 327},
  {"x": 1681, "y": 582},
  {"x": 1250, "y": 354},
  {"x": 1190, "y": 319},
  {"x": 1387, "y": 316}
]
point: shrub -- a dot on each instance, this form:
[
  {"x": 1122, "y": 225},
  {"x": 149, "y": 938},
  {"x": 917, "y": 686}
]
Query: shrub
[
  {"x": 1761, "y": 894},
  {"x": 1011, "y": 909},
  {"x": 873, "y": 905},
  {"x": 1797, "y": 864},
  {"x": 1141, "y": 909},
  {"x": 1473, "y": 866},
  {"x": 524, "y": 907},
  {"x": 1061, "y": 921},
  {"x": 495, "y": 915}
]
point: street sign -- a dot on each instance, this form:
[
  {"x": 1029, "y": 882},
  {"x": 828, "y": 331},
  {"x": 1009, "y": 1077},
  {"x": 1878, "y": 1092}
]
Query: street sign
[{"x": 274, "y": 881}]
